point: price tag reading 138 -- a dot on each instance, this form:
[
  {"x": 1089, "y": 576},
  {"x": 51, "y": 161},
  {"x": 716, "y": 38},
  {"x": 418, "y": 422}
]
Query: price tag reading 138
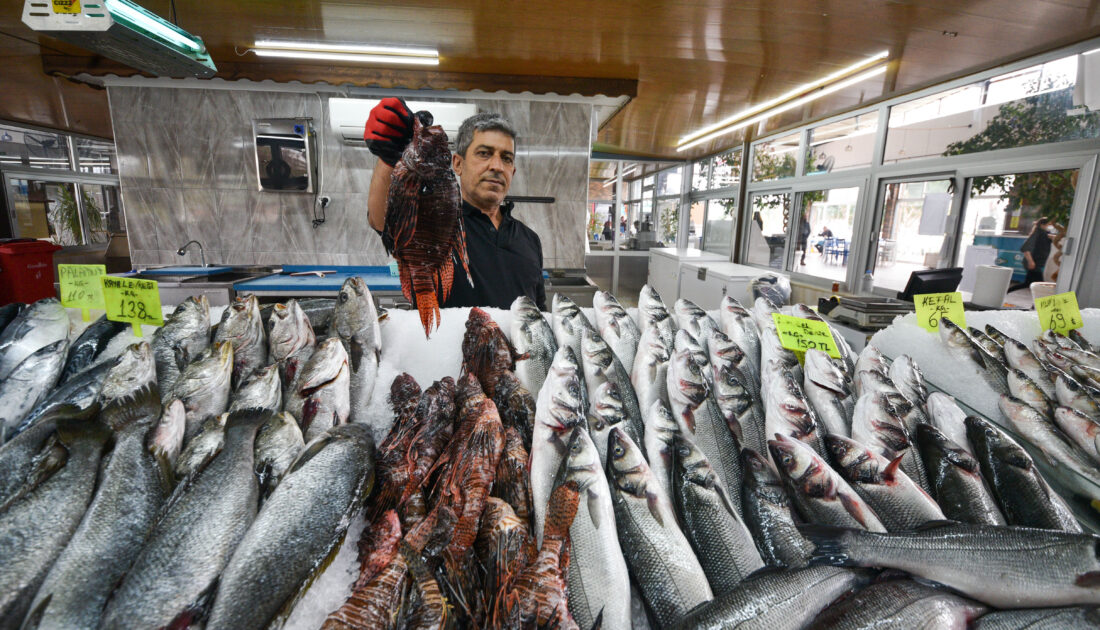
[
  {"x": 132, "y": 300},
  {"x": 800, "y": 335},
  {"x": 1059, "y": 313}
]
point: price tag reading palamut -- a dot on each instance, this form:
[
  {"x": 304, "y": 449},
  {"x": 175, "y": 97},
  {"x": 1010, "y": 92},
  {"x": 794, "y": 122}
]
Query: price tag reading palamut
[
  {"x": 81, "y": 288},
  {"x": 932, "y": 307},
  {"x": 800, "y": 335},
  {"x": 1059, "y": 313},
  {"x": 131, "y": 300}
]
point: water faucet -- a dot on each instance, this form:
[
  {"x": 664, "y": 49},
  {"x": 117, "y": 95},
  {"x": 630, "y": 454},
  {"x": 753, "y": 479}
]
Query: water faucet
[{"x": 202, "y": 255}]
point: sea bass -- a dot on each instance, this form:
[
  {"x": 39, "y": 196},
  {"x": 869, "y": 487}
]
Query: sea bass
[
  {"x": 561, "y": 407},
  {"x": 533, "y": 339},
  {"x": 956, "y": 480},
  {"x": 899, "y": 604},
  {"x": 767, "y": 510},
  {"x": 653, "y": 312},
  {"x": 324, "y": 389},
  {"x": 617, "y": 328}
]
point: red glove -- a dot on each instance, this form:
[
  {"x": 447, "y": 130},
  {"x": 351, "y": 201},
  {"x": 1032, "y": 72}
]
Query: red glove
[{"x": 389, "y": 129}]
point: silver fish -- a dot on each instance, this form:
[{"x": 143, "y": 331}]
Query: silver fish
[
  {"x": 897, "y": 500},
  {"x": 324, "y": 389},
  {"x": 298, "y": 527},
  {"x": 722, "y": 351},
  {"x": 617, "y": 328},
  {"x": 944, "y": 414},
  {"x": 43, "y": 323},
  {"x": 1081, "y": 357},
  {"x": 194, "y": 537},
  {"x": 242, "y": 326},
  {"x": 600, "y": 364},
  {"x": 909, "y": 380},
  {"x": 1024, "y": 496},
  {"x": 1071, "y": 393},
  {"x": 131, "y": 490},
  {"x": 842, "y": 346},
  {"x": 786, "y": 411},
  {"x": 1064, "y": 618},
  {"x": 599, "y": 584},
  {"x": 762, "y": 311},
  {"x": 22, "y": 462},
  {"x": 28, "y": 384},
  {"x": 821, "y": 495},
  {"x": 876, "y": 423},
  {"x": 561, "y": 406},
  {"x": 899, "y": 604},
  {"x": 987, "y": 563},
  {"x": 262, "y": 391},
  {"x": 1041, "y": 431},
  {"x": 659, "y": 556},
  {"x": 829, "y": 390},
  {"x": 989, "y": 344},
  {"x": 202, "y": 447},
  {"x": 290, "y": 341},
  {"x": 183, "y": 337},
  {"x": 1083, "y": 343},
  {"x": 531, "y": 336},
  {"x": 740, "y": 327},
  {"x": 355, "y": 321},
  {"x": 568, "y": 323},
  {"x": 772, "y": 354},
  {"x": 767, "y": 511},
  {"x": 956, "y": 480},
  {"x": 278, "y": 443},
  {"x": 660, "y": 428},
  {"x": 1081, "y": 428},
  {"x": 1087, "y": 375},
  {"x": 204, "y": 386},
  {"x": 653, "y": 312},
  {"x": 80, "y": 391},
  {"x": 875, "y": 382},
  {"x": 134, "y": 370},
  {"x": 963, "y": 346},
  {"x": 650, "y": 374},
  {"x": 870, "y": 359},
  {"x": 686, "y": 341},
  {"x": 89, "y": 345},
  {"x": 722, "y": 542},
  {"x": 605, "y": 412},
  {"x": 36, "y": 527},
  {"x": 739, "y": 406},
  {"x": 695, "y": 320},
  {"x": 1022, "y": 387}
]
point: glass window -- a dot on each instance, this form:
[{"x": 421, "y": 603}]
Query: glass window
[
  {"x": 668, "y": 221},
  {"x": 775, "y": 159},
  {"x": 101, "y": 212},
  {"x": 1017, "y": 109},
  {"x": 46, "y": 210},
  {"x": 696, "y": 218},
  {"x": 94, "y": 156},
  {"x": 668, "y": 182},
  {"x": 768, "y": 229},
  {"x": 1001, "y": 211},
  {"x": 848, "y": 143},
  {"x": 720, "y": 223},
  {"x": 823, "y": 234},
  {"x": 915, "y": 218},
  {"x": 35, "y": 149},
  {"x": 727, "y": 169},
  {"x": 634, "y": 189},
  {"x": 700, "y": 171}
]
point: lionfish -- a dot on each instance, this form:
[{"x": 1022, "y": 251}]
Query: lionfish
[{"x": 423, "y": 229}]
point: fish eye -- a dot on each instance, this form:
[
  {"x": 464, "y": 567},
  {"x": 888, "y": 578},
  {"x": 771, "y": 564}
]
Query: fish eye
[
  {"x": 344, "y": 296},
  {"x": 618, "y": 450}
]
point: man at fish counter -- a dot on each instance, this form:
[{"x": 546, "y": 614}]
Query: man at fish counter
[{"x": 505, "y": 255}]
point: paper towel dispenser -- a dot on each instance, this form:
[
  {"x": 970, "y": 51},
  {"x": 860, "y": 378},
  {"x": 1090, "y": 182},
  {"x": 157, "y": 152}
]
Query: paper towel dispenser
[{"x": 285, "y": 160}]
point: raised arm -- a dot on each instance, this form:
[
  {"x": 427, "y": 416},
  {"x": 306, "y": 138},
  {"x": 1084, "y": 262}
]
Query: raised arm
[{"x": 388, "y": 131}]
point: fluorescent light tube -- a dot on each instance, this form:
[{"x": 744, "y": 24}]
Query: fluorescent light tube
[
  {"x": 301, "y": 54},
  {"x": 149, "y": 22},
  {"x": 789, "y": 95},
  {"x": 789, "y": 105},
  {"x": 365, "y": 49}
]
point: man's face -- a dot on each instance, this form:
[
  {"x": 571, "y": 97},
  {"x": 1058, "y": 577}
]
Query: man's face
[{"x": 485, "y": 172}]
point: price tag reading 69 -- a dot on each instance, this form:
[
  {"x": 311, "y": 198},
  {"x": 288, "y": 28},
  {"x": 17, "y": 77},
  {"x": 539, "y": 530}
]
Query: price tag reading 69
[
  {"x": 800, "y": 335},
  {"x": 132, "y": 300},
  {"x": 1059, "y": 313}
]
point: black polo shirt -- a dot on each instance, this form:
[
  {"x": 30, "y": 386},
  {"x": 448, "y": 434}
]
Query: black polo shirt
[{"x": 505, "y": 262}]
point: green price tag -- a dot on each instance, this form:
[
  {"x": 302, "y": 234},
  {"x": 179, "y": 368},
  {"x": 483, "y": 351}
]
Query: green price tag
[
  {"x": 80, "y": 287},
  {"x": 800, "y": 335},
  {"x": 1059, "y": 313},
  {"x": 932, "y": 307},
  {"x": 132, "y": 300}
]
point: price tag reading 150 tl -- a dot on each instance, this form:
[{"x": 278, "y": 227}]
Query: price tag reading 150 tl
[
  {"x": 800, "y": 335},
  {"x": 1059, "y": 313},
  {"x": 132, "y": 300}
]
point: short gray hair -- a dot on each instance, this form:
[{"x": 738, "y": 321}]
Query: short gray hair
[{"x": 485, "y": 121}]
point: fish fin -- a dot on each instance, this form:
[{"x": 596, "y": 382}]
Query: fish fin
[
  {"x": 1090, "y": 579},
  {"x": 597, "y": 623},
  {"x": 254, "y": 417},
  {"x": 689, "y": 419},
  {"x": 181, "y": 355},
  {"x": 197, "y": 610},
  {"x": 890, "y": 472},
  {"x": 460, "y": 249},
  {"x": 594, "y": 509},
  {"x": 355, "y": 348},
  {"x": 308, "y": 452},
  {"x": 830, "y": 548},
  {"x": 34, "y": 617},
  {"x": 855, "y": 508},
  {"x": 131, "y": 408},
  {"x": 652, "y": 500},
  {"x": 934, "y": 525},
  {"x": 446, "y": 279}
]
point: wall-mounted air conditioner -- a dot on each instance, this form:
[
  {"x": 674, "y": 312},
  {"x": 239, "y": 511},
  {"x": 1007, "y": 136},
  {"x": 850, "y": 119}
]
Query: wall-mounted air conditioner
[{"x": 347, "y": 116}]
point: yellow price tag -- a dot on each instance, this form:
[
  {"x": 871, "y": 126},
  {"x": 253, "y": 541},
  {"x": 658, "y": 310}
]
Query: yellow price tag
[
  {"x": 1059, "y": 313},
  {"x": 132, "y": 300},
  {"x": 800, "y": 335},
  {"x": 80, "y": 287},
  {"x": 66, "y": 6},
  {"x": 931, "y": 307},
  {"x": 1014, "y": 223}
]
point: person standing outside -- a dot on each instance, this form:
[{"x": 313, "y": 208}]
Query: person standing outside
[
  {"x": 1036, "y": 250},
  {"x": 505, "y": 255}
]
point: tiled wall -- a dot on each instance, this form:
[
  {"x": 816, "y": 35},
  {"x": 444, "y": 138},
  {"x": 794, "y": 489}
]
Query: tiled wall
[{"x": 187, "y": 171}]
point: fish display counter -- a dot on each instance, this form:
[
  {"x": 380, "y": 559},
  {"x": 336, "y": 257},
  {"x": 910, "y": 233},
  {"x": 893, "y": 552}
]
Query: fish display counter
[{"x": 313, "y": 464}]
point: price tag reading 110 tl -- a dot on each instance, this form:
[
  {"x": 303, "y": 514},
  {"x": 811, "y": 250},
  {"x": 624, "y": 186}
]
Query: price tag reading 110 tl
[
  {"x": 1059, "y": 313},
  {"x": 132, "y": 300},
  {"x": 800, "y": 335},
  {"x": 80, "y": 287}
]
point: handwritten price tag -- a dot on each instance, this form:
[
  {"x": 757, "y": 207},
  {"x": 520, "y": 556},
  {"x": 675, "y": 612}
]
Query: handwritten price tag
[
  {"x": 801, "y": 335},
  {"x": 1059, "y": 313},
  {"x": 132, "y": 300},
  {"x": 932, "y": 307},
  {"x": 80, "y": 287}
]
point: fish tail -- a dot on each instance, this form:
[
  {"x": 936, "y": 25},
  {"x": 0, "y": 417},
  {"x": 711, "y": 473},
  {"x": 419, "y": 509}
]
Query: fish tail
[
  {"x": 830, "y": 545},
  {"x": 428, "y": 305},
  {"x": 140, "y": 405},
  {"x": 248, "y": 418},
  {"x": 460, "y": 249}
]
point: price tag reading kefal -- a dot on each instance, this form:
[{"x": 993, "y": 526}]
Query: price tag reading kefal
[
  {"x": 80, "y": 286},
  {"x": 132, "y": 300},
  {"x": 800, "y": 335},
  {"x": 1059, "y": 313},
  {"x": 932, "y": 307}
]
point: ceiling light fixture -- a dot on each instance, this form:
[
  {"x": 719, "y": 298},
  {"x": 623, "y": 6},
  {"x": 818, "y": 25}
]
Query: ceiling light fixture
[
  {"x": 789, "y": 105},
  {"x": 726, "y": 125},
  {"x": 154, "y": 25},
  {"x": 359, "y": 53}
]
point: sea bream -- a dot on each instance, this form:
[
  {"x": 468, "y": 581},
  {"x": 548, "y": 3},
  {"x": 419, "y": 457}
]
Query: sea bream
[
  {"x": 617, "y": 328},
  {"x": 423, "y": 229},
  {"x": 183, "y": 337},
  {"x": 533, "y": 339},
  {"x": 290, "y": 341},
  {"x": 355, "y": 321},
  {"x": 204, "y": 385},
  {"x": 39, "y": 325},
  {"x": 324, "y": 389}
]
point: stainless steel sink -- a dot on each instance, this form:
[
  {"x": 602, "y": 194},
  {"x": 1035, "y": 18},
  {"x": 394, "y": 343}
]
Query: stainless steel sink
[{"x": 218, "y": 288}]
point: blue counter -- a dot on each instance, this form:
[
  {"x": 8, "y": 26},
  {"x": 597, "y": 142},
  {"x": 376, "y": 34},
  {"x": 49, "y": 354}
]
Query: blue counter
[{"x": 378, "y": 279}]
